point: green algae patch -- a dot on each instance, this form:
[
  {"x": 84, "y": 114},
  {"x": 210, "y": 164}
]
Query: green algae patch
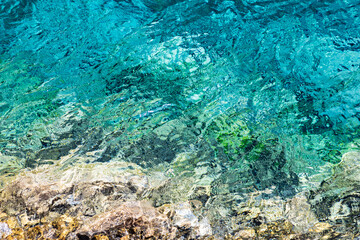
[
  {"x": 232, "y": 135},
  {"x": 251, "y": 162}
]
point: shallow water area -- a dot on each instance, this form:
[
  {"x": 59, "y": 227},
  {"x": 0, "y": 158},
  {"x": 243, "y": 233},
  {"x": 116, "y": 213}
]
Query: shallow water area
[{"x": 233, "y": 114}]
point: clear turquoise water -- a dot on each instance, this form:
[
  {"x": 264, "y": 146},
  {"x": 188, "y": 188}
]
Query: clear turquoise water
[{"x": 263, "y": 92}]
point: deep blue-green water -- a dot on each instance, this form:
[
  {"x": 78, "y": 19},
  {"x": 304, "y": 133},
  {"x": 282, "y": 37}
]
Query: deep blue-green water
[{"x": 264, "y": 92}]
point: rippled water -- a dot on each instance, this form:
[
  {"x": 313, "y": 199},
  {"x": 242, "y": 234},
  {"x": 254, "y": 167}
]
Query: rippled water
[{"x": 263, "y": 93}]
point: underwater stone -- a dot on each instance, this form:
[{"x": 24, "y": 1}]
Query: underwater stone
[
  {"x": 184, "y": 218},
  {"x": 349, "y": 167},
  {"x": 132, "y": 219},
  {"x": 48, "y": 190},
  {"x": 94, "y": 195},
  {"x": 276, "y": 229},
  {"x": 245, "y": 234},
  {"x": 320, "y": 227},
  {"x": 298, "y": 212},
  {"x": 337, "y": 198},
  {"x": 100, "y": 200},
  {"x": 4, "y": 230}
]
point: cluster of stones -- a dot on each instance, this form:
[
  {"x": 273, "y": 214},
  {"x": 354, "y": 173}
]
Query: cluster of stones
[
  {"x": 99, "y": 202},
  {"x": 81, "y": 203},
  {"x": 129, "y": 222}
]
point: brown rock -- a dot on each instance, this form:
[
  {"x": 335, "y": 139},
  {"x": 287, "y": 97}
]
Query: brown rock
[
  {"x": 246, "y": 234},
  {"x": 129, "y": 220},
  {"x": 65, "y": 225},
  {"x": 50, "y": 193},
  {"x": 101, "y": 237},
  {"x": 275, "y": 229},
  {"x": 320, "y": 227}
]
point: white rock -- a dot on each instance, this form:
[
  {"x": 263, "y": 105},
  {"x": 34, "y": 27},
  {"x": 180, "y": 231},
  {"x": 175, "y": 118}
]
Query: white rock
[
  {"x": 4, "y": 230},
  {"x": 298, "y": 212},
  {"x": 185, "y": 218}
]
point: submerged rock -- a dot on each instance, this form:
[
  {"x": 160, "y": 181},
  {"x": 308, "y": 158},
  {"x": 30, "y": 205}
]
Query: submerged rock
[
  {"x": 338, "y": 198},
  {"x": 298, "y": 211},
  {"x": 94, "y": 201},
  {"x": 116, "y": 200},
  {"x": 130, "y": 220},
  {"x": 4, "y": 230},
  {"x": 79, "y": 190}
]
